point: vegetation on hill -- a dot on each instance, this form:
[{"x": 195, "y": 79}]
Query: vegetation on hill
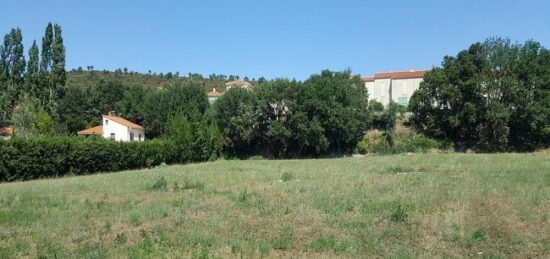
[{"x": 401, "y": 206}]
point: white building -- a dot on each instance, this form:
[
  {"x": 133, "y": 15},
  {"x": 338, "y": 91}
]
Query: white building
[
  {"x": 397, "y": 86},
  {"x": 116, "y": 128},
  {"x": 213, "y": 95},
  {"x": 239, "y": 83}
]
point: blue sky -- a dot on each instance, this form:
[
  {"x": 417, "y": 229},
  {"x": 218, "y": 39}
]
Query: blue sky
[{"x": 277, "y": 38}]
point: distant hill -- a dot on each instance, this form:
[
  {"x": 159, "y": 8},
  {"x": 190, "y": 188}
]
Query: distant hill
[{"x": 90, "y": 78}]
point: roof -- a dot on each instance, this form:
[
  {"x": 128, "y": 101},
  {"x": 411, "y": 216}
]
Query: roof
[
  {"x": 97, "y": 130},
  {"x": 214, "y": 93},
  {"x": 396, "y": 75},
  {"x": 123, "y": 121},
  {"x": 238, "y": 82},
  {"x": 368, "y": 79},
  {"x": 6, "y": 131}
]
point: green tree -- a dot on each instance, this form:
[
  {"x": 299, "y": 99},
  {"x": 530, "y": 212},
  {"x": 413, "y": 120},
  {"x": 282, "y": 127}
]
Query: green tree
[
  {"x": 131, "y": 105},
  {"x": 494, "y": 96},
  {"x": 188, "y": 98},
  {"x": 32, "y": 74},
  {"x": 236, "y": 122},
  {"x": 12, "y": 69},
  {"x": 29, "y": 120},
  {"x": 76, "y": 111}
]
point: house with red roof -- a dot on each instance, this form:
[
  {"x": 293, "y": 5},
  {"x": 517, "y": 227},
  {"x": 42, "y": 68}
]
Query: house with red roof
[
  {"x": 116, "y": 128},
  {"x": 398, "y": 86}
]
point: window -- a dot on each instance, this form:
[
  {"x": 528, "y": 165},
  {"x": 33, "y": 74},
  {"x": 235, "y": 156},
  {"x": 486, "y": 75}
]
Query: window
[
  {"x": 131, "y": 136},
  {"x": 402, "y": 100},
  {"x": 113, "y": 136},
  {"x": 106, "y": 122},
  {"x": 139, "y": 136}
]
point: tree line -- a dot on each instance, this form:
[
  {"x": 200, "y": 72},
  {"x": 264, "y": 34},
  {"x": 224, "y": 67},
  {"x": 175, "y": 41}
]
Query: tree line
[{"x": 493, "y": 96}]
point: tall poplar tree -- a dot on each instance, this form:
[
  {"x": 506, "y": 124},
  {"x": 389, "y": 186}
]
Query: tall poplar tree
[
  {"x": 12, "y": 63},
  {"x": 32, "y": 74},
  {"x": 52, "y": 68}
]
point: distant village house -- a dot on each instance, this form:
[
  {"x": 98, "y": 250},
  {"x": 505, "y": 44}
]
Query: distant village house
[
  {"x": 397, "y": 86},
  {"x": 213, "y": 95},
  {"x": 116, "y": 128},
  {"x": 239, "y": 83}
]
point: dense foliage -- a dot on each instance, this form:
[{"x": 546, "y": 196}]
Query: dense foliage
[
  {"x": 493, "y": 96},
  {"x": 41, "y": 157},
  {"x": 325, "y": 114}
]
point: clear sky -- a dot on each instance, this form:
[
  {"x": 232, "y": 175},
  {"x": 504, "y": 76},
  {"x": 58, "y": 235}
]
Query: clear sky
[{"x": 277, "y": 38}]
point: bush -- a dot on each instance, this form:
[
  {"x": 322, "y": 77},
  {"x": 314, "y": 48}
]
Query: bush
[
  {"x": 404, "y": 140},
  {"x": 25, "y": 159}
]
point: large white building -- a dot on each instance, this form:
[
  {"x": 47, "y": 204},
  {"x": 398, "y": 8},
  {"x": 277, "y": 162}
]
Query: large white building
[
  {"x": 397, "y": 86},
  {"x": 116, "y": 128}
]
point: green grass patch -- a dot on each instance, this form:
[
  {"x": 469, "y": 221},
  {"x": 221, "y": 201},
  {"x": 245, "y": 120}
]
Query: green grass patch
[{"x": 402, "y": 206}]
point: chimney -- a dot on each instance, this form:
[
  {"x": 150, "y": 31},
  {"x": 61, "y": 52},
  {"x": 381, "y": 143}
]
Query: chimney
[
  {"x": 214, "y": 89},
  {"x": 111, "y": 113}
]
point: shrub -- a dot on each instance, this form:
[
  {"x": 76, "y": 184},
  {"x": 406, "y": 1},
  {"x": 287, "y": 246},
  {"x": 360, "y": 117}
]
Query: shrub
[
  {"x": 399, "y": 214},
  {"x": 160, "y": 185},
  {"x": 42, "y": 157},
  {"x": 404, "y": 140}
]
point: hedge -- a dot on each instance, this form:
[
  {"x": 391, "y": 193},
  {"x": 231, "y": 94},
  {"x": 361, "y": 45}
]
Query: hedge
[{"x": 43, "y": 157}]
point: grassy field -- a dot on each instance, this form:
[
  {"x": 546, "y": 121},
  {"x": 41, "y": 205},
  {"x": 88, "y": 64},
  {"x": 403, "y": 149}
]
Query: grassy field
[{"x": 426, "y": 205}]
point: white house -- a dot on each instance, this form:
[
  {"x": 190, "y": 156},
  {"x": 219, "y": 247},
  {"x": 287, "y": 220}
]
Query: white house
[
  {"x": 397, "y": 86},
  {"x": 239, "y": 83},
  {"x": 213, "y": 95},
  {"x": 116, "y": 128}
]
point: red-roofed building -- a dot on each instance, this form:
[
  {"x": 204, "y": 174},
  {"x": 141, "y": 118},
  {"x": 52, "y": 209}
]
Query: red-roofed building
[
  {"x": 116, "y": 128},
  {"x": 397, "y": 86},
  {"x": 6, "y": 132}
]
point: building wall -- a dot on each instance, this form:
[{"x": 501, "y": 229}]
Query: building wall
[
  {"x": 212, "y": 99},
  {"x": 401, "y": 90},
  {"x": 122, "y": 133}
]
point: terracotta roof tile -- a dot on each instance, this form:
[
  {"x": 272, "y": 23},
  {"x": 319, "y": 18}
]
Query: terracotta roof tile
[
  {"x": 368, "y": 79},
  {"x": 97, "y": 130},
  {"x": 400, "y": 75},
  {"x": 123, "y": 121},
  {"x": 6, "y": 131}
]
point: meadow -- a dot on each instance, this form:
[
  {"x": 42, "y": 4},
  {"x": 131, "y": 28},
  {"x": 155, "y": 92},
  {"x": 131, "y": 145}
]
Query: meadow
[{"x": 398, "y": 206}]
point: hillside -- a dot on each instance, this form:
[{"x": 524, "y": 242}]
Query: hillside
[
  {"x": 76, "y": 78},
  {"x": 426, "y": 206}
]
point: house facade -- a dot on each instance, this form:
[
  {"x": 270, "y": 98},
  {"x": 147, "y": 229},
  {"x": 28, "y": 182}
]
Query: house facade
[
  {"x": 239, "y": 83},
  {"x": 116, "y": 128},
  {"x": 397, "y": 86},
  {"x": 213, "y": 95}
]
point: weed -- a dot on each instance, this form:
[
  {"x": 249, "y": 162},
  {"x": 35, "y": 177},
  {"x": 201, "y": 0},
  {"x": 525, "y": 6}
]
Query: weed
[
  {"x": 135, "y": 218},
  {"x": 284, "y": 242},
  {"x": 243, "y": 196},
  {"x": 235, "y": 246},
  {"x": 399, "y": 214},
  {"x": 160, "y": 185},
  {"x": 397, "y": 169},
  {"x": 121, "y": 238},
  {"x": 287, "y": 176},
  {"x": 479, "y": 234},
  {"x": 94, "y": 251},
  {"x": 264, "y": 247}
]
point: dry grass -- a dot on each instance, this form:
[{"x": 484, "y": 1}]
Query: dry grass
[{"x": 452, "y": 205}]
